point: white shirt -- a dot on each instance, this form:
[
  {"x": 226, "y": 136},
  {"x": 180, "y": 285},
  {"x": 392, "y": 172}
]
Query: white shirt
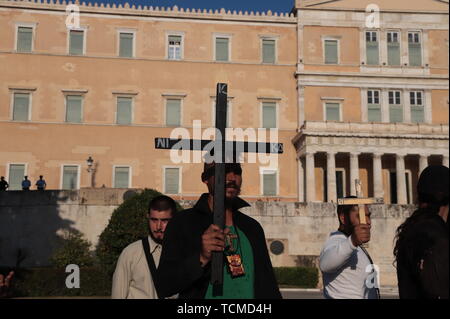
[
  {"x": 344, "y": 269},
  {"x": 132, "y": 278}
]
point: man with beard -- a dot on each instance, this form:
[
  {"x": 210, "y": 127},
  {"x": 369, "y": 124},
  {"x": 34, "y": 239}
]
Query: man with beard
[
  {"x": 134, "y": 277},
  {"x": 191, "y": 237},
  {"x": 346, "y": 266}
]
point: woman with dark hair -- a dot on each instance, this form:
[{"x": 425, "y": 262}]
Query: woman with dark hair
[{"x": 422, "y": 241}]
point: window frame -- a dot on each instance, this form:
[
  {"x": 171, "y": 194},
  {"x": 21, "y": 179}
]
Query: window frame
[
  {"x": 324, "y": 109},
  {"x": 174, "y": 97},
  {"x": 420, "y": 33},
  {"x": 18, "y": 25},
  {"x": 8, "y": 168},
  {"x": 178, "y": 34},
  {"x": 378, "y": 37},
  {"x": 400, "y": 47},
  {"x": 76, "y": 93},
  {"x": 130, "y": 174},
  {"x": 331, "y": 38},
  {"x": 261, "y": 117},
  {"x": 30, "y": 103},
  {"x": 271, "y": 38},
  {"x": 262, "y": 172},
  {"x": 84, "y": 29},
  {"x": 117, "y": 96},
  {"x": 222, "y": 35},
  {"x": 180, "y": 178},
  {"x": 344, "y": 180},
  {"x": 126, "y": 30},
  {"x": 380, "y": 101},
  {"x": 61, "y": 180}
]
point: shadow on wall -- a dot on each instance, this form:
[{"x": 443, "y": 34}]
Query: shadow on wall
[{"x": 30, "y": 226}]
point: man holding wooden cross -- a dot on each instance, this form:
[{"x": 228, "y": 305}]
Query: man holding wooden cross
[{"x": 347, "y": 268}]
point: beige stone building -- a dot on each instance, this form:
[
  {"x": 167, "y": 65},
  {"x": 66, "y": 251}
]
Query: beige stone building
[
  {"x": 350, "y": 98},
  {"x": 373, "y": 101}
]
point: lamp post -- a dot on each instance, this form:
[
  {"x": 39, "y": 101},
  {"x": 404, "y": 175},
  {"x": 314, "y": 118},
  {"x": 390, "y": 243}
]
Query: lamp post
[{"x": 91, "y": 170}]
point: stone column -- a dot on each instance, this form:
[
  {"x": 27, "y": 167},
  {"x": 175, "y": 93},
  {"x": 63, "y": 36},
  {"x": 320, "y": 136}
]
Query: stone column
[
  {"x": 331, "y": 177},
  {"x": 310, "y": 178},
  {"x": 423, "y": 163},
  {"x": 301, "y": 176},
  {"x": 354, "y": 172},
  {"x": 445, "y": 160},
  {"x": 377, "y": 176},
  {"x": 401, "y": 180}
]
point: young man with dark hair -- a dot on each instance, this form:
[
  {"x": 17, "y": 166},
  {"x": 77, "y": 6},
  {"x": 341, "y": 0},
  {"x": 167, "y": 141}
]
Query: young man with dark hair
[
  {"x": 344, "y": 262},
  {"x": 191, "y": 237},
  {"x": 134, "y": 277}
]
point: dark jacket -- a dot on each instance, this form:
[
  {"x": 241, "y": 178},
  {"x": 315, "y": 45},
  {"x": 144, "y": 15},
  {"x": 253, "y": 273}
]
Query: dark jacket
[
  {"x": 423, "y": 263},
  {"x": 179, "y": 268}
]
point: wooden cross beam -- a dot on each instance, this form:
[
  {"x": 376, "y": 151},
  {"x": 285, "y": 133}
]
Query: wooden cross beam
[{"x": 219, "y": 187}]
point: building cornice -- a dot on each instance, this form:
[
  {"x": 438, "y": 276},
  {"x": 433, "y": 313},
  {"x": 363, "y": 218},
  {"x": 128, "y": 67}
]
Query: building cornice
[{"x": 150, "y": 11}]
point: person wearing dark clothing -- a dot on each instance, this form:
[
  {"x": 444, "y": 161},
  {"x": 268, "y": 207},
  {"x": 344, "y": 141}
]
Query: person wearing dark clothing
[
  {"x": 3, "y": 184},
  {"x": 422, "y": 247},
  {"x": 185, "y": 265},
  {"x": 41, "y": 184},
  {"x": 26, "y": 184}
]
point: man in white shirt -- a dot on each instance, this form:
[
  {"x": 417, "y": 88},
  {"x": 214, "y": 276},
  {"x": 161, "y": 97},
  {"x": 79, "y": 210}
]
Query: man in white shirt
[
  {"x": 133, "y": 277},
  {"x": 347, "y": 269}
]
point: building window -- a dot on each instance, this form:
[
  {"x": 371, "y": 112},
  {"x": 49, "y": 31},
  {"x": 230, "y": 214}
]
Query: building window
[
  {"x": 373, "y": 106},
  {"x": 124, "y": 110},
  {"x": 393, "y": 186},
  {"x": 332, "y": 112},
  {"x": 121, "y": 177},
  {"x": 229, "y": 110},
  {"x": 222, "y": 49},
  {"x": 76, "y": 42},
  {"x": 414, "y": 49},
  {"x": 331, "y": 51},
  {"x": 417, "y": 107},
  {"x": 126, "y": 44},
  {"x": 24, "y": 39},
  {"x": 173, "y": 112},
  {"x": 16, "y": 174},
  {"x": 340, "y": 183},
  {"x": 372, "y": 51},
  {"x": 21, "y": 107},
  {"x": 269, "y": 180},
  {"x": 174, "y": 52},
  {"x": 74, "y": 108},
  {"x": 269, "y": 115},
  {"x": 395, "y": 107},
  {"x": 171, "y": 180},
  {"x": 70, "y": 177},
  {"x": 268, "y": 51},
  {"x": 393, "y": 46}
]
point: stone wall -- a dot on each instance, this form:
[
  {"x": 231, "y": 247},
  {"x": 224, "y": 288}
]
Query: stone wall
[{"x": 31, "y": 221}]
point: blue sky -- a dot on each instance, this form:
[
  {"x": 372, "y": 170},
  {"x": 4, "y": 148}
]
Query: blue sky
[{"x": 249, "y": 5}]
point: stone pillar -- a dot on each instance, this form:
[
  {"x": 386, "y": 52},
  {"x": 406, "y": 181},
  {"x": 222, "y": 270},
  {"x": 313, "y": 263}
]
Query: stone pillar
[
  {"x": 401, "y": 180},
  {"x": 354, "y": 172},
  {"x": 377, "y": 176},
  {"x": 301, "y": 177},
  {"x": 310, "y": 178},
  {"x": 423, "y": 163},
  {"x": 445, "y": 160},
  {"x": 331, "y": 177}
]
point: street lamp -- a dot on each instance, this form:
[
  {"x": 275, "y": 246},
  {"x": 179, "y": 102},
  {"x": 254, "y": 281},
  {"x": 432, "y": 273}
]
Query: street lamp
[{"x": 90, "y": 162}]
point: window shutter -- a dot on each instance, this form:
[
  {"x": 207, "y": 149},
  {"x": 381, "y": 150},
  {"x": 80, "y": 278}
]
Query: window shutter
[
  {"x": 124, "y": 110},
  {"x": 24, "y": 39},
  {"x": 332, "y": 110},
  {"x": 73, "y": 112},
  {"x": 372, "y": 53},
  {"x": 269, "y": 115},
  {"x": 374, "y": 113},
  {"x": 171, "y": 181},
  {"x": 173, "y": 112},
  {"x": 70, "y": 177},
  {"x": 417, "y": 114},
  {"x": 126, "y": 45},
  {"x": 331, "y": 51},
  {"x": 21, "y": 106},
  {"x": 268, "y": 51},
  {"x": 415, "y": 49},
  {"x": 396, "y": 113},
  {"x": 394, "y": 53},
  {"x": 16, "y": 174},
  {"x": 222, "y": 49},
  {"x": 121, "y": 177},
  {"x": 270, "y": 184},
  {"x": 76, "y": 42}
]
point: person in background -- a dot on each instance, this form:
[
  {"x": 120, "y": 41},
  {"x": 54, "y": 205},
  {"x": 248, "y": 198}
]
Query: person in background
[
  {"x": 26, "y": 184},
  {"x": 422, "y": 241},
  {"x": 41, "y": 184},
  {"x": 3, "y": 184}
]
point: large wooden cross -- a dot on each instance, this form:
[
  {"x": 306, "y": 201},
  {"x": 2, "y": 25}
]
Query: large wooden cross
[{"x": 227, "y": 150}]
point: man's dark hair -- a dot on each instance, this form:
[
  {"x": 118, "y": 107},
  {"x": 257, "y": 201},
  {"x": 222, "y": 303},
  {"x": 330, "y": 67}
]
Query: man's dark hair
[
  {"x": 161, "y": 203},
  {"x": 345, "y": 209}
]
